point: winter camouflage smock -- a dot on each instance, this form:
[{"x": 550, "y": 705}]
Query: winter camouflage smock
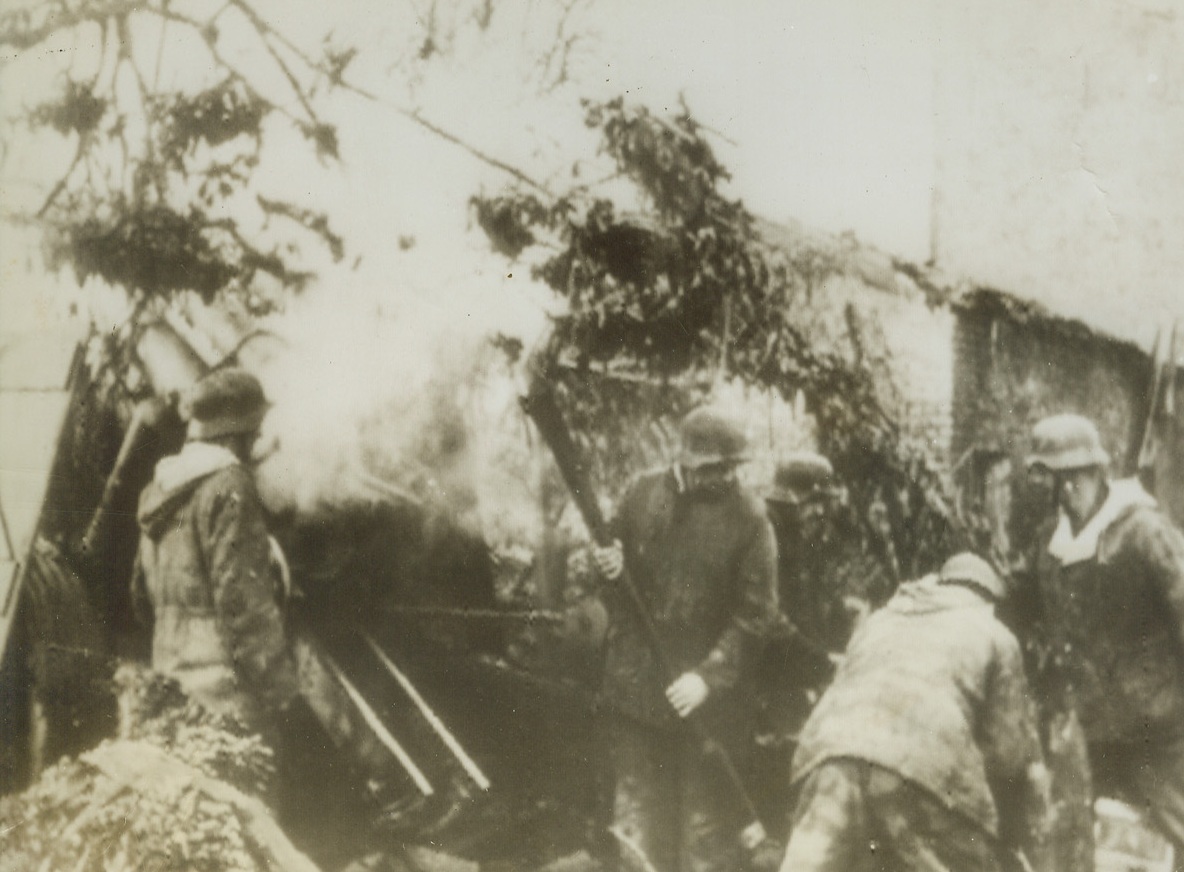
[
  {"x": 707, "y": 568},
  {"x": 205, "y": 573},
  {"x": 1112, "y": 598},
  {"x": 932, "y": 688}
]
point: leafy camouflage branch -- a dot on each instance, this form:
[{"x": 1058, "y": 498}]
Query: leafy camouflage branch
[{"x": 680, "y": 289}]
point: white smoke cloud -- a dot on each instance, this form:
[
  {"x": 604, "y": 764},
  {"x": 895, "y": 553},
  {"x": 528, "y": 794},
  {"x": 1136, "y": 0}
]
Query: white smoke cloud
[{"x": 385, "y": 395}]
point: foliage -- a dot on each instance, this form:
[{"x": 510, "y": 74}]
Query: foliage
[
  {"x": 667, "y": 298},
  {"x": 154, "y": 709},
  {"x": 217, "y": 115},
  {"x": 66, "y": 654},
  {"x": 153, "y": 249},
  {"x": 77, "y": 111},
  {"x": 160, "y": 196},
  {"x": 81, "y": 814}
]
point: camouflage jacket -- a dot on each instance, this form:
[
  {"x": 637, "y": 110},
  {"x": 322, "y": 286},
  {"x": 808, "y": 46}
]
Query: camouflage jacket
[
  {"x": 205, "y": 581},
  {"x": 707, "y": 569},
  {"x": 933, "y": 688},
  {"x": 1112, "y": 604}
]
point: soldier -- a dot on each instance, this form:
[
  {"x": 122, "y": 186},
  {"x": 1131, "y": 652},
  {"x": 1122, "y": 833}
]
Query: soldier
[
  {"x": 206, "y": 585},
  {"x": 923, "y": 754},
  {"x": 702, "y": 554},
  {"x": 204, "y": 580},
  {"x": 823, "y": 586},
  {"x": 813, "y": 626},
  {"x": 827, "y": 583},
  {"x": 1111, "y": 596}
]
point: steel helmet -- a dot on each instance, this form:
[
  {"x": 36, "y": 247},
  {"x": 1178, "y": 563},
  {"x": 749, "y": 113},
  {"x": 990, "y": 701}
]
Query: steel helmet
[
  {"x": 799, "y": 472},
  {"x": 1068, "y": 441},
  {"x": 708, "y": 435},
  {"x": 225, "y": 402},
  {"x": 967, "y": 567}
]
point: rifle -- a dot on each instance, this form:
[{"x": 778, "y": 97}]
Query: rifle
[{"x": 540, "y": 405}]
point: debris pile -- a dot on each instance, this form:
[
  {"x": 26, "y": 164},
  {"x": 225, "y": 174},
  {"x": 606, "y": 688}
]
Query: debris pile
[{"x": 179, "y": 789}]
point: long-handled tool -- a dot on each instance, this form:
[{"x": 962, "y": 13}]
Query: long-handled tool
[{"x": 540, "y": 405}]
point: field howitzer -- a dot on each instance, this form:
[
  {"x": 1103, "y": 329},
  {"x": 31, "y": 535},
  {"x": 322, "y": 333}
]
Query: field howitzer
[
  {"x": 155, "y": 428},
  {"x": 540, "y": 405}
]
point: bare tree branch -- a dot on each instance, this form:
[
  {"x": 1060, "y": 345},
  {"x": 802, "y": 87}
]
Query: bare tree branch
[
  {"x": 553, "y": 65},
  {"x": 24, "y": 28},
  {"x": 415, "y": 117},
  {"x": 202, "y": 29},
  {"x": 264, "y": 30},
  {"x": 164, "y": 25},
  {"x": 127, "y": 57},
  {"x": 263, "y": 27},
  {"x": 61, "y": 183}
]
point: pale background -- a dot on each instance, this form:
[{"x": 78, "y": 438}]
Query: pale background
[{"x": 1032, "y": 146}]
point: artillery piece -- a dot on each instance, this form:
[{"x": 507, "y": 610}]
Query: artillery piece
[{"x": 401, "y": 636}]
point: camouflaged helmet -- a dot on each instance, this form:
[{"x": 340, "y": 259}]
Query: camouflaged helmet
[
  {"x": 799, "y": 473},
  {"x": 1066, "y": 441},
  {"x": 972, "y": 569},
  {"x": 708, "y": 436},
  {"x": 225, "y": 402}
]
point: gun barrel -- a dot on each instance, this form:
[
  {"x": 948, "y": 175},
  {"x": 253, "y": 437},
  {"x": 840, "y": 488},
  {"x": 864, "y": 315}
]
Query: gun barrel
[{"x": 529, "y": 616}]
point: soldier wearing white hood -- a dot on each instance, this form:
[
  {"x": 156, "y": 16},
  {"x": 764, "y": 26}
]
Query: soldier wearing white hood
[
  {"x": 205, "y": 582},
  {"x": 1111, "y": 592}
]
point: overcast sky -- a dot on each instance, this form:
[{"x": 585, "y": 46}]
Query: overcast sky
[{"x": 829, "y": 104}]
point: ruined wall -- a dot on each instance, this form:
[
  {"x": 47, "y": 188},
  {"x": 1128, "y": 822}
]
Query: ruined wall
[
  {"x": 1014, "y": 366},
  {"x": 905, "y": 340},
  {"x": 863, "y": 305}
]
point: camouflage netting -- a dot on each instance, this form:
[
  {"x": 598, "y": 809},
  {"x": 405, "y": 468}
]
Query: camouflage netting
[{"x": 178, "y": 790}]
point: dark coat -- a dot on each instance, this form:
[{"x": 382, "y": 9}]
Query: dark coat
[
  {"x": 206, "y": 576},
  {"x": 822, "y": 566},
  {"x": 707, "y": 569},
  {"x": 1112, "y": 603},
  {"x": 932, "y": 688}
]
